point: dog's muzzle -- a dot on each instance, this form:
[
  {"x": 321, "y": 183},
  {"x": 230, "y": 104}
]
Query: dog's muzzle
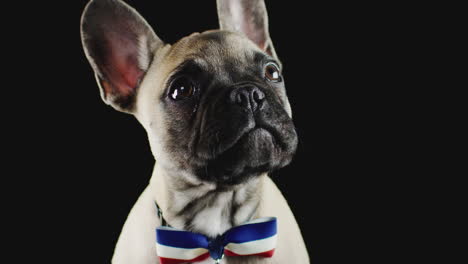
[{"x": 245, "y": 131}]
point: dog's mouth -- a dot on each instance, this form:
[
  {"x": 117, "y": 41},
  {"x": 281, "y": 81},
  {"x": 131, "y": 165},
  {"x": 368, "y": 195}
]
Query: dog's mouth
[
  {"x": 257, "y": 136},
  {"x": 258, "y": 150},
  {"x": 258, "y": 141}
]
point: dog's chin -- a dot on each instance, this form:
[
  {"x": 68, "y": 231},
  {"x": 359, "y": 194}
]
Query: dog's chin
[{"x": 256, "y": 152}]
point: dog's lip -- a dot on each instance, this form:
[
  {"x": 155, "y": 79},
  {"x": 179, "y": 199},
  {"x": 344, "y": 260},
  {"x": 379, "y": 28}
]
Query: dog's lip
[
  {"x": 275, "y": 135},
  {"x": 258, "y": 124}
]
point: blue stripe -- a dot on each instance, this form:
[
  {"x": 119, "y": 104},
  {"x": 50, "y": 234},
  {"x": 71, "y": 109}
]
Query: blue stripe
[
  {"x": 180, "y": 239},
  {"x": 251, "y": 232}
]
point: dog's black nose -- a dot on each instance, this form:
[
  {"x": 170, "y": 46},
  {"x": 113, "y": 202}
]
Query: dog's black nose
[{"x": 249, "y": 97}]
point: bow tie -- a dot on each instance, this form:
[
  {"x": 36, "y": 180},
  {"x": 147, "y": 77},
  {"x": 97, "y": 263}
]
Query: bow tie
[{"x": 254, "y": 238}]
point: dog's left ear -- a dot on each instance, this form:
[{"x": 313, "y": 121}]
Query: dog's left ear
[
  {"x": 249, "y": 17},
  {"x": 120, "y": 45}
]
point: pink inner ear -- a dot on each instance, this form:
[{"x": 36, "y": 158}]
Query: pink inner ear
[
  {"x": 254, "y": 34},
  {"x": 122, "y": 67},
  {"x": 243, "y": 18}
]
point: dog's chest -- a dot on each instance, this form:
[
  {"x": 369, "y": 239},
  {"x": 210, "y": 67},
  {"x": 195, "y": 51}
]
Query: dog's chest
[
  {"x": 212, "y": 216},
  {"x": 213, "y": 212}
]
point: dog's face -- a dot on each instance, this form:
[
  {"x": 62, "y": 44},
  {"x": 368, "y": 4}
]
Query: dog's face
[
  {"x": 214, "y": 104},
  {"x": 222, "y": 107}
]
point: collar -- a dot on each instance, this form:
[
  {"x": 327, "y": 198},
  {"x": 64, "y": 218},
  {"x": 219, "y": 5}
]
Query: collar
[{"x": 160, "y": 215}]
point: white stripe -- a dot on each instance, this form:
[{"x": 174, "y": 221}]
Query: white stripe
[
  {"x": 179, "y": 253},
  {"x": 260, "y": 220},
  {"x": 253, "y": 247}
]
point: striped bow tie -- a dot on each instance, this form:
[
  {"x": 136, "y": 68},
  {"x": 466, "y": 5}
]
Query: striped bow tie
[{"x": 254, "y": 238}]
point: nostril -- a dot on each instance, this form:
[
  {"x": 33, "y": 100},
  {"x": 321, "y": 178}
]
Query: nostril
[
  {"x": 258, "y": 95},
  {"x": 242, "y": 98},
  {"x": 247, "y": 97},
  {"x": 239, "y": 98}
]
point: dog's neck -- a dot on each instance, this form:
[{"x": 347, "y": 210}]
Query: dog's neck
[{"x": 203, "y": 207}]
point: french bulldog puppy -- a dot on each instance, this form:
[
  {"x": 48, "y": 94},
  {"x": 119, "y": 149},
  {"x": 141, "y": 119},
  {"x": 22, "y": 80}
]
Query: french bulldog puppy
[{"x": 218, "y": 120}]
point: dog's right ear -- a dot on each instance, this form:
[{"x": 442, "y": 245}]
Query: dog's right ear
[
  {"x": 249, "y": 17},
  {"x": 120, "y": 46}
]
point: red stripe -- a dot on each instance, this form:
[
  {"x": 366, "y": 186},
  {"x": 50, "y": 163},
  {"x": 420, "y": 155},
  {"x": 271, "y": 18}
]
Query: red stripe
[
  {"x": 177, "y": 261},
  {"x": 266, "y": 254}
]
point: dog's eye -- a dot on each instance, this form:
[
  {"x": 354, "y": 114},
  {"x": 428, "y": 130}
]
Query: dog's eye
[
  {"x": 182, "y": 88},
  {"x": 272, "y": 73}
]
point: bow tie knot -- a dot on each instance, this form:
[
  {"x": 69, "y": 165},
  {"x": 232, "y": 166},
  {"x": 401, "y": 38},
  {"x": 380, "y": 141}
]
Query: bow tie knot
[
  {"x": 257, "y": 237},
  {"x": 216, "y": 247}
]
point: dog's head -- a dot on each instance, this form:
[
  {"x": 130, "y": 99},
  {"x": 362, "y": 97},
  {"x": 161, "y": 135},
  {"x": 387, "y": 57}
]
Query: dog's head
[{"x": 214, "y": 103}]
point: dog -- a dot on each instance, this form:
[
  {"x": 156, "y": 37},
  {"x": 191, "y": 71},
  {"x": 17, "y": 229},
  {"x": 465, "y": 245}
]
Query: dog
[{"x": 218, "y": 119}]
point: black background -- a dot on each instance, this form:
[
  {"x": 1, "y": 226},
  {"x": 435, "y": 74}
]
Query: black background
[{"x": 340, "y": 61}]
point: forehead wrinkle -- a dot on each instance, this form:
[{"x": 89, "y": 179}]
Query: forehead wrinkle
[
  {"x": 227, "y": 58},
  {"x": 218, "y": 52}
]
